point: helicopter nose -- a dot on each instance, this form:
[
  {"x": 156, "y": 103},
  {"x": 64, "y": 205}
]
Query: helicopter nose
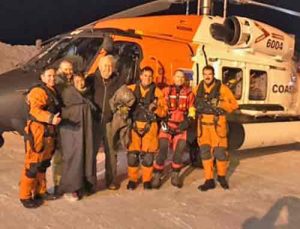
[{"x": 17, "y": 80}]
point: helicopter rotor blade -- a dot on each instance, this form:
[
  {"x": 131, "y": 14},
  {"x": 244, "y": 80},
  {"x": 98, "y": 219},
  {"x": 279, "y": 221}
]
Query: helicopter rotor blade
[
  {"x": 148, "y": 8},
  {"x": 250, "y": 2}
]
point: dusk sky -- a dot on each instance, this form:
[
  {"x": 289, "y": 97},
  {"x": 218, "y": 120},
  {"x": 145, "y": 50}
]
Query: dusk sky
[{"x": 23, "y": 21}]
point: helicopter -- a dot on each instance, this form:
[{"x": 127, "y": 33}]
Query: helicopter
[{"x": 253, "y": 59}]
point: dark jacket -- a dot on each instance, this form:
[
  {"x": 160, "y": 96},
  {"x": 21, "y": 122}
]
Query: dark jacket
[
  {"x": 102, "y": 91},
  {"x": 77, "y": 138},
  {"x": 62, "y": 82}
]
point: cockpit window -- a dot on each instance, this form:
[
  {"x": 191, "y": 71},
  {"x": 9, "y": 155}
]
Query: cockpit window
[
  {"x": 258, "y": 85},
  {"x": 80, "y": 51},
  {"x": 233, "y": 78},
  {"x": 128, "y": 56}
]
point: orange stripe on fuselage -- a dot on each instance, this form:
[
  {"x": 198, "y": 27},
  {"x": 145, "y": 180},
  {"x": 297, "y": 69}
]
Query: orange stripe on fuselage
[
  {"x": 166, "y": 41},
  {"x": 177, "y": 26}
]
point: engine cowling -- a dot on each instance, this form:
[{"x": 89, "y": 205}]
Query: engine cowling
[{"x": 240, "y": 32}]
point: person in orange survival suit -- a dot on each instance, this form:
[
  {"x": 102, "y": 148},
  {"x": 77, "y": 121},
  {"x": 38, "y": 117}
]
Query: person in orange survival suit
[
  {"x": 180, "y": 100},
  {"x": 213, "y": 101},
  {"x": 144, "y": 133},
  {"x": 40, "y": 134}
]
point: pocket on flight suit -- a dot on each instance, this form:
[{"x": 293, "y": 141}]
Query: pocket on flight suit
[
  {"x": 37, "y": 130},
  {"x": 199, "y": 128},
  {"x": 221, "y": 127}
]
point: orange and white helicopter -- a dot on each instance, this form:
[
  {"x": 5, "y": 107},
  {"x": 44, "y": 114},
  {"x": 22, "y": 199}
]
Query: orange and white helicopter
[{"x": 254, "y": 59}]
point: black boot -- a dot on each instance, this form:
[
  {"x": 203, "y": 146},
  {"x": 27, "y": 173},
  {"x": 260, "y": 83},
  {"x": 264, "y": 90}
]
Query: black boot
[
  {"x": 30, "y": 203},
  {"x": 223, "y": 182},
  {"x": 175, "y": 179},
  {"x": 208, "y": 184},
  {"x": 88, "y": 189},
  {"x": 156, "y": 180},
  {"x": 131, "y": 185},
  {"x": 147, "y": 185}
]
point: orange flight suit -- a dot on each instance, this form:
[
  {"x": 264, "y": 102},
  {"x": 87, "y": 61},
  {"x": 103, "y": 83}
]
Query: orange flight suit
[
  {"x": 144, "y": 136},
  {"x": 39, "y": 140},
  {"x": 212, "y": 128}
]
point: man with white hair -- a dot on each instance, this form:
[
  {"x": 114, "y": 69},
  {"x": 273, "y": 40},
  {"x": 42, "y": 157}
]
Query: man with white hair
[{"x": 105, "y": 82}]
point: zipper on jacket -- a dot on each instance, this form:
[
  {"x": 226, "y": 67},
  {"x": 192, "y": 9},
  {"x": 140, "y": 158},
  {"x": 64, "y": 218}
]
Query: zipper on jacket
[{"x": 103, "y": 102}]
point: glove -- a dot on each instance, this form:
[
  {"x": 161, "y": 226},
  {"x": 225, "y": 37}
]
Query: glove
[
  {"x": 184, "y": 125},
  {"x": 123, "y": 110}
]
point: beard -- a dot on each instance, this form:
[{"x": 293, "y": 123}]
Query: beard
[{"x": 210, "y": 83}]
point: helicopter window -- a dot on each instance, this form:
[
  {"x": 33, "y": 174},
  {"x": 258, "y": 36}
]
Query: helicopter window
[
  {"x": 79, "y": 51},
  {"x": 233, "y": 78},
  {"x": 128, "y": 57},
  {"x": 258, "y": 85}
]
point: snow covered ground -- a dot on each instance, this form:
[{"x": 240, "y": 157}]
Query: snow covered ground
[
  {"x": 11, "y": 55},
  {"x": 264, "y": 193}
]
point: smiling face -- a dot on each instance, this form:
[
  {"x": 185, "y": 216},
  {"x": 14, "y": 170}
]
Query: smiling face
[
  {"x": 179, "y": 78},
  {"x": 106, "y": 67},
  {"x": 66, "y": 68},
  {"x": 146, "y": 78},
  {"x": 48, "y": 77},
  {"x": 79, "y": 82}
]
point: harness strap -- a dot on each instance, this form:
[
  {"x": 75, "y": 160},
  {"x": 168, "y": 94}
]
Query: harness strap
[
  {"x": 203, "y": 99},
  {"x": 141, "y": 132}
]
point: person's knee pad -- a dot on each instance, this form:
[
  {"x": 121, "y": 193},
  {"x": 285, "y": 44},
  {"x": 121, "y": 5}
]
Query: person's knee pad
[
  {"x": 147, "y": 159},
  {"x": 133, "y": 158},
  {"x": 32, "y": 171},
  {"x": 205, "y": 152},
  {"x": 220, "y": 154}
]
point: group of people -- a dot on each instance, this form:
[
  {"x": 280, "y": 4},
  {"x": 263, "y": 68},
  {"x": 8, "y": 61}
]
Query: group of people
[{"x": 70, "y": 116}]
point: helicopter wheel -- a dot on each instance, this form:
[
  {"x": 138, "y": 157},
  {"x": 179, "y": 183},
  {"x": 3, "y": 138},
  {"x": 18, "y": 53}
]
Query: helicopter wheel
[{"x": 236, "y": 135}]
